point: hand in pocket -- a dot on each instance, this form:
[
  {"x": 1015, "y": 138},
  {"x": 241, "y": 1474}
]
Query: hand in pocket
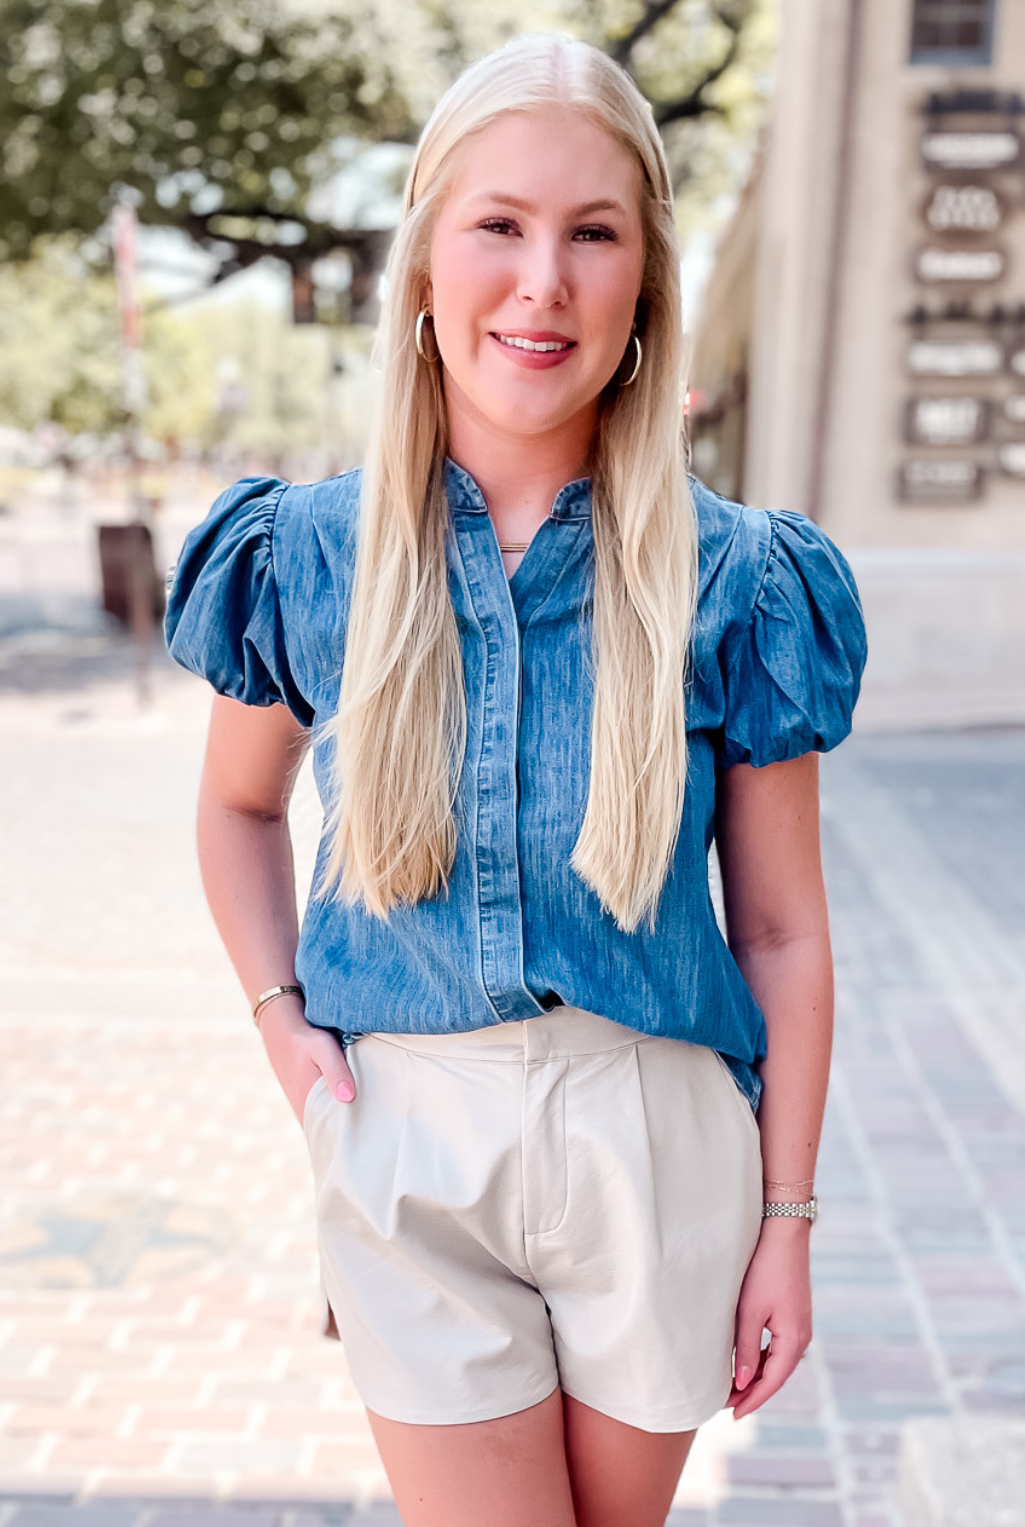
[{"x": 300, "y": 1053}]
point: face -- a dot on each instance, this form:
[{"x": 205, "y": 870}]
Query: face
[{"x": 536, "y": 268}]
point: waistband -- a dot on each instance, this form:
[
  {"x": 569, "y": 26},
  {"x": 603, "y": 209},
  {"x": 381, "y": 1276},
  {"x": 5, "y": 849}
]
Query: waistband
[{"x": 560, "y": 1032}]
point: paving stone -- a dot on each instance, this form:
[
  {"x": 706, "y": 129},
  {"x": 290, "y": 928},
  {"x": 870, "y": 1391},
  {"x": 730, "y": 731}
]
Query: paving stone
[
  {"x": 790, "y": 1472},
  {"x": 891, "y": 1410},
  {"x": 235, "y": 1456},
  {"x": 115, "y": 1452},
  {"x": 378, "y": 1515},
  {"x": 209, "y": 1514},
  {"x": 878, "y": 1473},
  {"x": 797, "y": 1439},
  {"x": 170, "y": 1297},
  {"x": 317, "y": 1516},
  {"x": 73, "y": 1514},
  {"x": 769, "y": 1511},
  {"x": 871, "y": 1443}
]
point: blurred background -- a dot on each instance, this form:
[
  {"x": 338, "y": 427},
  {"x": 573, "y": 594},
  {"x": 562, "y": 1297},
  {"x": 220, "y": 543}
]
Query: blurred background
[{"x": 196, "y": 203}]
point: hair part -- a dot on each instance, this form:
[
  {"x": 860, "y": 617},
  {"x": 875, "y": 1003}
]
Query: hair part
[{"x": 400, "y": 727}]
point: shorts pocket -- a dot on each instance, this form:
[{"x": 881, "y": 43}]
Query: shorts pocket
[
  {"x": 320, "y": 1085},
  {"x": 740, "y": 1099}
]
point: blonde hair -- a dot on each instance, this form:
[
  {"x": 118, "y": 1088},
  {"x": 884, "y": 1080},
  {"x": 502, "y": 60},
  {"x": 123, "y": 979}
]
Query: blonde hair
[{"x": 400, "y": 728}]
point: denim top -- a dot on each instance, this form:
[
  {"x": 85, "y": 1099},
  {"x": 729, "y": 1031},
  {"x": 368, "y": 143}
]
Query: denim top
[{"x": 257, "y": 605}]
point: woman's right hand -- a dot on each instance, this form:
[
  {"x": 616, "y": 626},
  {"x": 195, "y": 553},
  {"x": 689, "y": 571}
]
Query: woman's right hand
[{"x": 299, "y": 1052}]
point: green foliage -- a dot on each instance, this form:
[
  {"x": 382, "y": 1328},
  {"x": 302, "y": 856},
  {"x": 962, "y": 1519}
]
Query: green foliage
[
  {"x": 194, "y": 104},
  {"x": 221, "y": 117},
  {"x": 58, "y": 344},
  {"x": 706, "y": 68},
  {"x": 60, "y": 362},
  {"x": 238, "y": 375},
  {"x": 710, "y": 154},
  {"x": 673, "y": 48}
]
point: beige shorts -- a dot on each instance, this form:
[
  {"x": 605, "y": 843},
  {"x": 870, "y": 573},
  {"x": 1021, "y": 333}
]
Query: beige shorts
[{"x": 560, "y": 1201}]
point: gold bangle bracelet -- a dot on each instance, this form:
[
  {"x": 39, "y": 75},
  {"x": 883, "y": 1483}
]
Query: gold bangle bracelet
[{"x": 270, "y": 994}]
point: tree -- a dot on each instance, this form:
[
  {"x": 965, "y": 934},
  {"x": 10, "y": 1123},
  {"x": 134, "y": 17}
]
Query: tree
[
  {"x": 706, "y": 67},
  {"x": 58, "y": 343},
  {"x": 221, "y": 116},
  {"x": 240, "y": 377},
  {"x": 217, "y": 114},
  {"x": 234, "y": 376}
]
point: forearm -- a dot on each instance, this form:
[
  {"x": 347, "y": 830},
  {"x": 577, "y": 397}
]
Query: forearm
[
  {"x": 792, "y": 982},
  {"x": 249, "y": 879}
]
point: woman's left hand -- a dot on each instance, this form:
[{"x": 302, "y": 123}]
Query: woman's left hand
[{"x": 775, "y": 1295}]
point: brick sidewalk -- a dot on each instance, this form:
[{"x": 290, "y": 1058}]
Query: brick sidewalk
[
  {"x": 160, "y": 1306},
  {"x": 160, "y": 1355}
]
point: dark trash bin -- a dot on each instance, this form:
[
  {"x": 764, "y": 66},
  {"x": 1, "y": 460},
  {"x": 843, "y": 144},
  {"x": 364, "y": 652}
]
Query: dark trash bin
[{"x": 127, "y": 562}]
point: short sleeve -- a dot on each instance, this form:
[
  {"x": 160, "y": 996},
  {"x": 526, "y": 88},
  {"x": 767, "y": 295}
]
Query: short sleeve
[
  {"x": 795, "y": 673},
  {"x": 223, "y": 618}
]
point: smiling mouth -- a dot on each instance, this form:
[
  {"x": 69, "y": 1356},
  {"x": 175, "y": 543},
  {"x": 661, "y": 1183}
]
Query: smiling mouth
[{"x": 537, "y": 345}]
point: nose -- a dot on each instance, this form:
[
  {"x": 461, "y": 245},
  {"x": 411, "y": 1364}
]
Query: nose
[{"x": 542, "y": 277}]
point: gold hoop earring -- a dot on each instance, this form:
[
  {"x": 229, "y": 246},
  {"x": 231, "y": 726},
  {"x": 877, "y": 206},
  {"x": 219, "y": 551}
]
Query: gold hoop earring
[
  {"x": 418, "y": 337},
  {"x": 637, "y": 363}
]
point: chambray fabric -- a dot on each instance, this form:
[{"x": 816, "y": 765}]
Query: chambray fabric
[{"x": 258, "y": 603}]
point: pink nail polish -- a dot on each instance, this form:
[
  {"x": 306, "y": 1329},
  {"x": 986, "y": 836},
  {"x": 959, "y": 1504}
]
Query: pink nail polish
[
  {"x": 344, "y": 1093},
  {"x": 743, "y": 1377}
]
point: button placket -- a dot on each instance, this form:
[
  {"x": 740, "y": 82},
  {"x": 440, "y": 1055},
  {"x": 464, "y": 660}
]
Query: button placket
[
  {"x": 500, "y": 608},
  {"x": 498, "y": 883}
]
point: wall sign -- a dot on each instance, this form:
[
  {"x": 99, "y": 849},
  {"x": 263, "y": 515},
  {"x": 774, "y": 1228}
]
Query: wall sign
[
  {"x": 955, "y": 357},
  {"x": 971, "y": 99},
  {"x": 971, "y": 151},
  {"x": 975, "y": 265},
  {"x": 1012, "y": 458},
  {"x": 947, "y": 421},
  {"x": 940, "y": 482},
  {"x": 971, "y": 143},
  {"x": 969, "y": 208}
]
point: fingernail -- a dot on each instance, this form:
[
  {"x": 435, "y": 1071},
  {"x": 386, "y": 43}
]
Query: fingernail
[
  {"x": 344, "y": 1092},
  {"x": 743, "y": 1377}
]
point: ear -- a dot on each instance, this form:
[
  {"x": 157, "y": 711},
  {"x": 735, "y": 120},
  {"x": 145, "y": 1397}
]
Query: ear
[{"x": 641, "y": 312}]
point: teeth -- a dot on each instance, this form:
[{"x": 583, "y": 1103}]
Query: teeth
[{"x": 532, "y": 344}]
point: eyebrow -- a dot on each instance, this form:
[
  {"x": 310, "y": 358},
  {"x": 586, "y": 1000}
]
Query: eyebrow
[{"x": 603, "y": 205}]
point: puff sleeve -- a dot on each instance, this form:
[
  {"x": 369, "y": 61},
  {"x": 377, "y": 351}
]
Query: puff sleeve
[
  {"x": 223, "y": 619},
  {"x": 795, "y": 673}
]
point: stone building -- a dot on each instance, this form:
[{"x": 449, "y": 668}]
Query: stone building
[{"x": 860, "y": 353}]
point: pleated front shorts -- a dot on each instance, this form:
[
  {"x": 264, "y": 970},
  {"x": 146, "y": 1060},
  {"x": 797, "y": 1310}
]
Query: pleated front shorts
[{"x": 561, "y": 1201}]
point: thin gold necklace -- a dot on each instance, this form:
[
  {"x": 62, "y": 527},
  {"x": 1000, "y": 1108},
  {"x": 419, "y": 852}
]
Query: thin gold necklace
[{"x": 514, "y": 546}]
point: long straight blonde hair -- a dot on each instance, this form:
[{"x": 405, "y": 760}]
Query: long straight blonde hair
[{"x": 400, "y": 728}]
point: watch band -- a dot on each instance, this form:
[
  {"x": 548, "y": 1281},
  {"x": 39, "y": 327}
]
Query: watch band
[{"x": 808, "y": 1211}]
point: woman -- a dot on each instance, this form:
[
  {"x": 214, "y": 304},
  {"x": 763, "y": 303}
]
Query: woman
[{"x": 540, "y": 667}]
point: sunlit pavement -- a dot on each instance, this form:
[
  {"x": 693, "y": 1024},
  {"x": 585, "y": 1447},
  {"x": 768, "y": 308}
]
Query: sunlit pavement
[{"x": 160, "y": 1355}]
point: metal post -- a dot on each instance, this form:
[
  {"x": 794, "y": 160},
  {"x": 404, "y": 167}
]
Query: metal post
[{"x": 140, "y": 581}]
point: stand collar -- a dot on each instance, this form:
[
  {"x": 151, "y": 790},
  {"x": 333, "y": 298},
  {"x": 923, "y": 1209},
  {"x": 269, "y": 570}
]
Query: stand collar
[{"x": 572, "y": 502}]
